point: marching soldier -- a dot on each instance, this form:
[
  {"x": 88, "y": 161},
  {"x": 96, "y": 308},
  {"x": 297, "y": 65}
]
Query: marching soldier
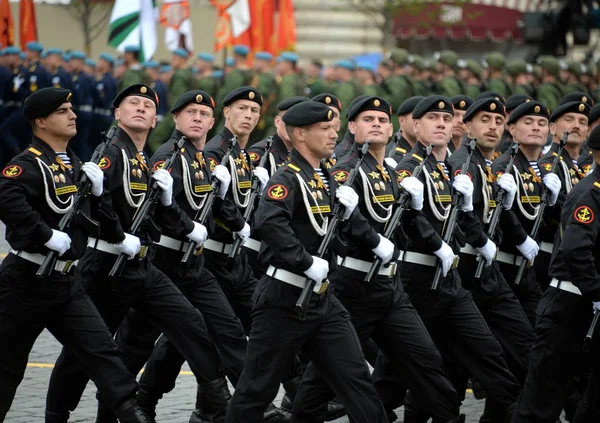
[
  {"x": 83, "y": 92},
  {"x": 585, "y": 160},
  {"x": 140, "y": 285},
  {"x": 134, "y": 71},
  {"x": 105, "y": 90},
  {"x": 461, "y": 103},
  {"x": 376, "y": 308},
  {"x": 496, "y": 74},
  {"x": 37, "y": 188},
  {"x": 408, "y": 137},
  {"x": 528, "y": 125},
  {"x": 550, "y": 91},
  {"x": 450, "y": 308},
  {"x": 511, "y": 104},
  {"x": 347, "y": 142},
  {"x": 292, "y": 220},
  {"x": 567, "y": 308}
]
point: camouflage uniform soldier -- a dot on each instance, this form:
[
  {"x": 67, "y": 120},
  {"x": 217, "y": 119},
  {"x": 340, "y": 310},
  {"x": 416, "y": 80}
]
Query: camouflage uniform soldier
[
  {"x": 517, "y": 70},
  {"x": 549, "y": 92},
  {"x": 135, "y": 72},
  {"x": 496, "y": 82},
  {"x": 447, "y": 84}
]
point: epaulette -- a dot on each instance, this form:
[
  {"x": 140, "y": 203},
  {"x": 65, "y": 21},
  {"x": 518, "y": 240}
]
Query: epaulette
[
  {"x": 34, "y": 151},
  {"x": 597, "y": 184},
  {"x": 292, "y": 168},
  {"x": 416, "y": 156},
  {"x": 401, "y": 150}
]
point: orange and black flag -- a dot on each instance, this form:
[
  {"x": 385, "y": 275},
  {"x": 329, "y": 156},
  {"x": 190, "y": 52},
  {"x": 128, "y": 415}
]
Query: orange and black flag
[{"x": 7, "y": 26}]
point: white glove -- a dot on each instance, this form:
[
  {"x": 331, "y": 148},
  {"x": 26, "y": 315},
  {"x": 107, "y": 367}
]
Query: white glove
[
  {"x": 198, "y": 234},
  {"x": 414, "y": 187},
  {"x": 384, "y": 250},
  {"x": 349, "y": 199},
  {"x": 222, "y": 175},
  {"x": 391, "y": 162},
  {"x": 263, "y": 176},
  {"x": 318, "y": 270},
  {"x": 244, "y": 234},
  {"x": 488, "y": 252},
  {"x": 130, "y": 246},
  {"x": 529, "y": 249},
  {"x": 446, "y": 256},
  {"x": 508, "y": 184},
  {"x": 464, "y": 185},
  {"x": 165, "y": 183},
  {"x": 553, "y": 184},
  {"x": 96, "y": 177},
  {"x": 596, "y": 306},
  {"x": 59, "y": 242}
]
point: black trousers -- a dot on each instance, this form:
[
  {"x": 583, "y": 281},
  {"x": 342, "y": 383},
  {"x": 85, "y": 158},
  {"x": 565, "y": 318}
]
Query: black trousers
[
  {"x": 563, "y": 321},
  {"x": 326, "y": 337},
  {"x": 455, "y": 323},
  {"x": 137, "y": 335},
  {"x": 382, "y": 311},
  {"x": 528, "y": 291},
  {"x": 61, "y": 305},
  {"x": 145, "y": 288}
]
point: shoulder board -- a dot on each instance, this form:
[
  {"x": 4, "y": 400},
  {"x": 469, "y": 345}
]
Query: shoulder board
[
  {"x": 292, "y": 167},
  {"x": 401, "y": 150},
  {"x": 597, "y": 184},
  {"x": 35, "y": 151},
  {"x": 416, "y": 156}
]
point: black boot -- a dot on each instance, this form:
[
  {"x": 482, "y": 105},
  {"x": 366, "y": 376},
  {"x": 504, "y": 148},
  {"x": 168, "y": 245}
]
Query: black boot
[
  {"x": 290, "y": 387},
  {"x": 276, "y": 415},
  {"x": 131, "y": 412},
  {"x": 104, "y": 415},
  {"x": 335, "y": 410},
  {"x": 148, "y": 402},
  {"x": 57, "y": 417},
  {"x": 199, "y": 415}
]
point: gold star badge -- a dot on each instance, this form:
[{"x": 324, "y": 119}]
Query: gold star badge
[
  {"x": 134, "y": 162},
  {"x": 435, "y": 175},
  {"x": 526, "y": 176},
  {"x": 54, "y": 167},
  {"x": 238, "y": 161},
  {"x": 572, "y": 172},
  {"x": 312, "y": 184},
  {"x": 195, "y": 164},
  {"x": 374, "y": 175}
]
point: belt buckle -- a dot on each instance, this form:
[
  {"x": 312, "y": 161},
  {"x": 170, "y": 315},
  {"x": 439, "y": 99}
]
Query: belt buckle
[
  {"x": 143, "y": 251},
  {"x": 198, "y": 251},
  {"x": 323, "y": 287},
  {"x": 393, "y": 268}
]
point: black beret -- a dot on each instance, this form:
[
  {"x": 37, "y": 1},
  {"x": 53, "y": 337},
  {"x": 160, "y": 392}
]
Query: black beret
[
  {"x": 409, "y": 105},
  {"x": 594, "y": 113},
  {"x": 370, "y": 103},
  {"x": 571, "y": 107},
  {"x": 328, "y": 99},
  {"x": 243, "y": 93},
  {"x": 307, "y": 113},
  {"x": 578, "y": 96},
  {"x": 495, "y": 94},
  {"x": 44, "y": 102},
  {"x": 141, "y": 90},
  {"x": 289, "y": 102},
  {"x": 461, "y": 102},
  {"x": 194, "y": 96},
  {"x": 516, "y": 100},
  {"x": 354, "y": 101},
  {"x": 594, "y": 139},
  {"x": 531, "y": 108},
  {"x": 489, "y": 104},
  {"x": 433, "y": 103}
]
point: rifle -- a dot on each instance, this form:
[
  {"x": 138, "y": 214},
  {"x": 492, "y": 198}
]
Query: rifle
[
  {"x": 453, "y": 218},
  {"x": 396, "y": 140},
  {"x": 544, "y": 202},
  {"x": 514, "y": 149},
  {"x": 143, "y": 212},
  {"x": 336, "y": 216},
  {"x": 83, "y": 192},
  {"x": 587, "y": 342},
  {"x": 237, "y": 243},
  {"x": 202, "y": 214},
  {"x": 396, "y": 219}
]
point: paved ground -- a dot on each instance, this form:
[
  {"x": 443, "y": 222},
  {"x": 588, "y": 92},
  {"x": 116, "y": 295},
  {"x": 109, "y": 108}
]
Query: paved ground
[{"x": 28, "y": 405}]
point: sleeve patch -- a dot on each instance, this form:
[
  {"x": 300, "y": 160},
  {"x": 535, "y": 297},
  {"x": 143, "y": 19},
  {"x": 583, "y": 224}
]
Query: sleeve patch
[
  {"x": 12, "y": 171},
  {"x": 548, "y": 166},
  {"x": 277, "y": 192},
  {"x": 104, "y": 163},
  {"x": 457, "y": 172},
  {"x": 401, "y": 174},
  {"x": 158, "y": 165},
  {"x": 254, "y": 157},
  {"x": 340, "y": 175},
  {"x": 584, "y": 214}
]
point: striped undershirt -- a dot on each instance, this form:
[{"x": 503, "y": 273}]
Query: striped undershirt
[{"x": 322, "y": 176}]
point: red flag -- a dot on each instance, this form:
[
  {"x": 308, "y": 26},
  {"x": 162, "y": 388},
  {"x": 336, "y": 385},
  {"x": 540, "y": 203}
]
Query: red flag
[
  {"x": 263, "y": 16},
  {"x": 286, "y": 27},
  {"x": 7, "y": 26},
  {"x": 27, "y": 26}
]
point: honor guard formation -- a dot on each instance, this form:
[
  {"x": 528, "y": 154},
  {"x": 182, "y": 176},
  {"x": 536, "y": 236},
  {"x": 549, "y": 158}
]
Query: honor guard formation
[{"x": 364, "y": 238}]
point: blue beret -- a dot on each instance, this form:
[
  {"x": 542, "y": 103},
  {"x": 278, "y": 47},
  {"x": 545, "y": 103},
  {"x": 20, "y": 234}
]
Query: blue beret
[
  {"x": 288, "y": 56},
  {"x": 44, "y": 102},
  {"x": 181, "y": 52},
  {"x": 433, "y": 103},
  {"x": 366, "y": 66},
  {"x": 241, "y": 49},
  {"x": 194, "y": 96},
  {"x": 90, "y": 62},
  {"x": 119, "y": 61},
  {"x": 44, "y": 54},
  {"x": 243, "y": 93},
  {"x": 530, "y": 108},
  {"x": 207, "y": 57},
  {"x": 22, "y": 56},
  {"x": 12, "y": 50},
  {"x": 409, "y": 105},
  {"x": 229, "y": 61},
  {"x": 165, "y": 69},
  {"x": 217, "y": 73},
  {"x": 486, "y": 104},
  {"x": 264, "y": 55},
  {"x": 151, "y": 64},
  {"x": 76, "y": 54},
  {"x": 307, "y": 113},
  {"x": 370, "y": 103},
  {"x": 571, "y": 107},
  {"x": 345, "y": 64},
  {"x": 34, "y": 46},
  {"x": 54, "y": 51},
  {"x": 66, "y": 57},
  {"x": 108, "y": 57},
  {"x": 132, "y": 49},
  {"x": 329, "y": 100},
  {"x": 141, "y": 90},
  {"x": 461, "y": 102}
]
